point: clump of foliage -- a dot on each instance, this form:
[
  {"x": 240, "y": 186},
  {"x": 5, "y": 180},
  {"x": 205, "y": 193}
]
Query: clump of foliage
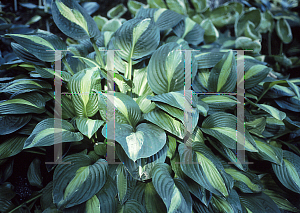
[{"x": 176, "y": 148}]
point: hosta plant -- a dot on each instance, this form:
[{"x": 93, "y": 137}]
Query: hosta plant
[{"x": 140, "y": 133}]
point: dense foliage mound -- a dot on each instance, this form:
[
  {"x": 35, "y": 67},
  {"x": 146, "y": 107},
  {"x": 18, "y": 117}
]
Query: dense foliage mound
[{"x": 147, "y": 111}]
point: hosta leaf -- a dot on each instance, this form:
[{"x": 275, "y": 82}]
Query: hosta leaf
[
  {"x": 256, "y": 126},
  {"x": 93, "y": 205},
  {"x": 87, "y": 126},
  {"x": 217, "y": 103},
  {"x": 272, "y": 111},
  {"x": 141, "y": 168},
  {"x": 190, "y": 31},
  {"x": 50, "y": 73},
  {"x": 134, "y": 6},
  {"x": 234, "y": 201},
  {"x": 200, "y": 166},
  {"x": 290, "y": 103},
  {"x": 246, "y": 182},
  {"x": 12, "y": 123},
  {"x": 254, "y": 75},
  {"x": 165, "y": 70},
  {"x": 125, "y": 183},
  {"x": 76, "y": 183},
  {"x": 200, "y": 5},
  {"x": 199, "y": 207},
  {"x": 47, "y": 197},
  {"x": 178, "y": 6},
  {"x": 284, "y": 31},
  {"x": 281, "y": 201},
  {"x": 258, "y": 203},
  {"x": 137, "y": 142},
  {"x": 223, "y": 76},
  {"x": 268, "y": 152},
  {"x": 145, "y": 104},
  {"x": 267, "y": 22},
  {"x": 141, "y": 86},
  {"x": 34, "y": 174},
  {"x": 126, "y": 106},
  {"x": 175, "y": 103},
  {"x": 100, "y": 21},
  {"x": 25, "y": 55},
  {"x": 230, "y": 154},
  {"x": 156, "y": 3},
  {"x": 223, "y": 15},
  {"x": 107, "y": 195},
  {"x": 252, "y": 15},
  {"x": 166, "y": 122},
  {"x": 136, "y": 38},
  {"x": 12, "y": 146},
  {"x": 208, "y": 59},
  {"x": 211, "y": 34},
  {"x": 25, "y": 84},
  {"x": 289, "y": 172},
  {"x": 23, "y": 104},
  {"x": 41, "y": 45},
  {"x": 163, "y": 18},
  {"x": 117, "y": 11},
  {"x": 165, "y": 186},
  {"x": 109, "y": 112},
  {"x": 43, "y": 134},
  {"x": 132, "y": 206},
  {"x": 221, "y": 204},
  {"x": 251, "y": 32},
  {"x": 73, "y": 20},
  {"x": 223, "y": 127},
  {"x": 153, "y": 201},
  {"x": 246, "y": 43},
  {"x": 81, "y": 84}
]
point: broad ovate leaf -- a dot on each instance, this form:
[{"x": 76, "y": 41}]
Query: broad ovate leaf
[
  {"x": 222, "y": 126},
  {"x": 178, "y": 6},
  {"x": 166, "y": 122},
  {"x": 246, "y": 43},
  {"x": 34, "y": 174},
  {"x": 284, "y": 31},
  {"x": 211, "y": 34},
  {"x": 87, "y": 126},
  {"x": 117, "y": 11},
  {"x": 12, "y": 146},
  {"x": 289, "y": 172},
  {"x": 163, "y": 18},
  {"x": 84, "y": 99},
  {"x": 23, "y": 103},
  {"x": 43, "y": 133},
  {"x": 200, "y": 5},
  {"x": 78, "y": 181},
  {"x": 170, "y": 193},
  {"x": 141, "y": 168},
  {"x": 246, "y": 182},
  {"x": 165, "y": 70},
  {"x": 241, "y": 23},
  {"x": 73, "y": 20},
  {"x": 223, "y": 76},
  {"x": 156, "y": 3},
  {"x": 12, "y": 123},
  {"x": 190, "y": 31},
  {"x": 136, "y": 38},
  {"x": 41, "y": 45},
  {"x": 153, "y": 201},
  {"x": 199, "y": 164},
  {"x": 137, "y": 142},
  {"x": 126, "y": 106}
]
